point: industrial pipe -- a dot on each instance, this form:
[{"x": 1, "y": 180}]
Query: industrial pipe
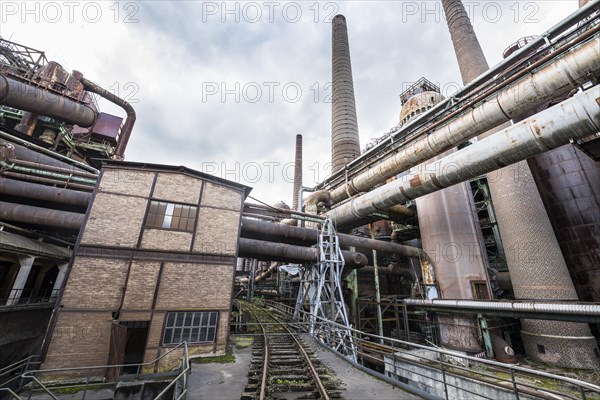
[
  {"x": 551, "y": 34},
  {"x": 42, "y": 166},
  {"x": 49, "y": 181},
  {"x": 28, "y": 151},
  {"x": 262, "y": 275},
  {"x": 583, "y": 310},
  {"x": 40, "y": 216},
  {"x": 11, "y": 187},
  {"x": 46, "y": 174},
  {"x": 572, "y": 119},
  {"x": 129, "y": 121},
  {"x": 533, "y": 90},
  {"x": 36, "y": 100},
  {"x": 271, "y": 251},
  {"x": 260, "y": 229}
]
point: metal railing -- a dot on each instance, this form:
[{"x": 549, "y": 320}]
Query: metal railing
[
  {"x": 15, "y": 297},
  {"x": 10, "y": 376},
  {"x": 95, "y": 378},
  {"x": 438, "y": 373}
]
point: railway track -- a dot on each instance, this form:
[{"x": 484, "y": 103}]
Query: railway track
[{"x": 283, "y": 366}]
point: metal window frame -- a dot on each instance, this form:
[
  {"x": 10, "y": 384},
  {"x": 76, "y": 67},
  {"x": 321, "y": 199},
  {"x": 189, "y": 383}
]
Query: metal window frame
[
  {"x": 204, "y": 323},
  {"x": 163, "y": 216}
]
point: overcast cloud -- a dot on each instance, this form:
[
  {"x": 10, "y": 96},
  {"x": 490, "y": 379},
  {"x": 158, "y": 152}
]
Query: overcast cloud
[{"x": 224, "y": 87}]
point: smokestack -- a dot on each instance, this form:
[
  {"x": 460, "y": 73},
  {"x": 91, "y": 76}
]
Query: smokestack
[
  {"x": 345, "y": 144},
  {"x": 297, "y": 172},
  {"x": 535, "y": 261}
]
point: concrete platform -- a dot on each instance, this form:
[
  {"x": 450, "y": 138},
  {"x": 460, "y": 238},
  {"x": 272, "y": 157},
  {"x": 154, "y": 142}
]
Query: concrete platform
[{"x": 227, "y": 381}]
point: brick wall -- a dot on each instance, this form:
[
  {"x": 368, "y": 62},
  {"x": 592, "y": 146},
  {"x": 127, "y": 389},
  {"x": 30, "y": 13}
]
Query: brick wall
[
  {"x": 114, "y": 220},
  {"x": 126, "y": 182},
  {"x": 177, "y": 188},
  {"x": 162, "y": 239},
  {"x": 217, "y": 231},
  {"x": 195, "y": 287},
  {"x": 80, "y": 339},
  {"x": 221, "y": 196},
  {"x": 141, "y": 285},
  {"x": 95, "y": 283}
]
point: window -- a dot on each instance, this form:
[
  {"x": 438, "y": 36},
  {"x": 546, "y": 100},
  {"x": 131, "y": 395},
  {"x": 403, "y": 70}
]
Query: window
[
  {"x": 193, "y": 327},
  {"x": 173, "y": 216}
]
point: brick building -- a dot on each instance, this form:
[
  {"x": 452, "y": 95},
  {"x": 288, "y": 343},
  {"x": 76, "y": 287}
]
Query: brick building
[{"x": 154, "y": 266}]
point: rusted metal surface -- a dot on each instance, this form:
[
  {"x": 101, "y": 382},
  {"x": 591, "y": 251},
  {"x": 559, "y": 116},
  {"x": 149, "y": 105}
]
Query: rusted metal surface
[
  {"x": 272, "y": 251},
  {"x": 345, "y": 144},
  {"x": 271, "y": 231},
  {"x": 572, "y": 119},
  {"x": 40, "y": 216},
  {"x": 129, "y": 121},
  {"x": 530, "y": 91},
  {"x": 26, "y": 97},
  {"x": 107, "y": 127},
  {"x": 17, "y": 188},
  {"x": 53, "y": 76},
  {"x": 532, "y": 251}
]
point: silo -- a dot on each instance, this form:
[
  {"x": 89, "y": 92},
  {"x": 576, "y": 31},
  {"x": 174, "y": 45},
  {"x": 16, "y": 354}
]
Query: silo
[
  {"x": 536, "y": 264},
  {"x": 451, "y": 236}
]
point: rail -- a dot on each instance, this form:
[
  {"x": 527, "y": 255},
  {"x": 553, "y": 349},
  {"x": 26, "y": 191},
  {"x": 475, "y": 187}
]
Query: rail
[
  {"x": 313, "y": 372},
  {"x": 447, "y": 374},
  {"x": 178, "y": 384},
  {"x": 15, "y": 297}
]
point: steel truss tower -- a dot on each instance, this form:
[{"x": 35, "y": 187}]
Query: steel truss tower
[{"x": 321, "y": 286}]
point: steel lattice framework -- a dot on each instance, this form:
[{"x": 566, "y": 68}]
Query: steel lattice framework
[{"x": 321, "y": 286}]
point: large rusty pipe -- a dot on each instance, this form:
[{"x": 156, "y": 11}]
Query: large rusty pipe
[
  {"x": 29, "y": 190},
  {"x": 517, "y": 57},
  {"x": 260, "y": 229},
  {"x": 49, "y": 181},
  {"x": 271, "y": 251},
  {"x": 40, "y": 216},
  {"x": 36, "y": 100},
  {"x": 44, "y": 167},
  {"x": 549, "y": 82},
  {"x": 129, "y": 121},
  {"x": 572, "y": 119}
]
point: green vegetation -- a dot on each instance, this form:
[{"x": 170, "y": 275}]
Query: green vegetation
[
  {"x": 242, "y": 342},
  {"x": 224, "y": 359}
]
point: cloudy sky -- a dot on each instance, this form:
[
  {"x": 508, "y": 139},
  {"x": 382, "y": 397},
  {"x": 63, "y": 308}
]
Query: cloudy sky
[{"x": 224, "y": 87}]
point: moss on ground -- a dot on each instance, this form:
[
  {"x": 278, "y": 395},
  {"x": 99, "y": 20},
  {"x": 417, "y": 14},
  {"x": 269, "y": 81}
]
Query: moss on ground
[{"x": 224, "y": 359}]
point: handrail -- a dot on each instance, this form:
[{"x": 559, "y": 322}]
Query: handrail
[
  {"x": 12, "y": 394},
  {"x": 396, "y": 345},
  {"x": 185, "y": 369},
  {"x": 110, "y": 366},
  {"x": 182, "y": 374}
]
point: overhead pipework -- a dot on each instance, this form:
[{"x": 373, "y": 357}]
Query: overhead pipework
[
  {"x": 345, "y": 143},
  {"x": 127, "y": 127},
  {"x": 524, "y": 222},
  {"x": 551, "y": 128},
  {"x": 560, "y": 39},
  {"x": 23, "y": 96}
]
